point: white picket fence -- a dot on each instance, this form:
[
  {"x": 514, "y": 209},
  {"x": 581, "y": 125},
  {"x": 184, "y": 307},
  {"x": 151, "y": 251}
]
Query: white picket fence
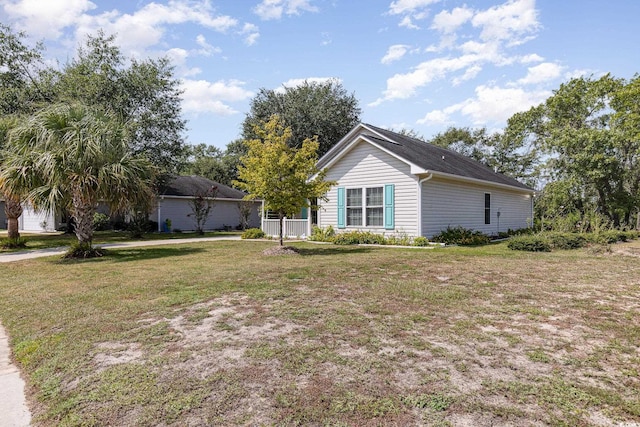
[{"x": 293, "y": 228}]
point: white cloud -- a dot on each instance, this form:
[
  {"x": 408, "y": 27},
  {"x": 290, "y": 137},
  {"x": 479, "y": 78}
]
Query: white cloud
[
  {"x": 402, "y": 86},
  {"x": 498, "y": 28},
  {"x": 326, "y": 39},
  {"x": 201, "y": 96},
  {"x": 448, "y": 22},
  {"x": 135, "y": 32},
  {"x": 508, "y": 22},
  {"x": 534, "y": 57},
  {"x": 394, "y": 53},
  {"x": 542, "y": 73},
  {"x": 470, "y": 73},
  {"x": 274, "y": 9},
  {"x": 400, "y": 7},
  {"x": 436, "y": 118},
  {"x": 46, "y": 18},
  {"x": 206, "y": 48},
  {"x": 492, "y": 104},
  {"x": 410, "y": 10},
  {"x": 251, "y": 33}
]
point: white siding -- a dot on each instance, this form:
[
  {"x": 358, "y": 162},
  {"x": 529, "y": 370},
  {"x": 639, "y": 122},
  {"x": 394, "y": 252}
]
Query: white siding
[
  {"x": 367, "y": 166},
  {"x": 30, "y": 220},
  {"x": 225, "y": 213},
  {"x": 450, "y": 203}
]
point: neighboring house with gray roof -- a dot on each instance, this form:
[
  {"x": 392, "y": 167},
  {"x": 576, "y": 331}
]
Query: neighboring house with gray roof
[
  {"x": 177, "y": 194},
  {"x": 173, "y": 202},
  {"x": 394, "y": 184}
]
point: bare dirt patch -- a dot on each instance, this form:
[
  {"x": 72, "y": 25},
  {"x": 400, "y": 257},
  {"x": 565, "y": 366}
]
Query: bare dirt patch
[{"x": 281, "y": 250}]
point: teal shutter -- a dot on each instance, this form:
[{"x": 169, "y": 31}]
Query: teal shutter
[
  {"x": 341, "y": 209},
  {"x": 389, "y": 209},
  {"x": 304, "y": 214}
]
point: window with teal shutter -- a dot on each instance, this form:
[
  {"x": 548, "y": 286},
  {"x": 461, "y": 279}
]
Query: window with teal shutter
[
  {"x": 341, "y": 210},
  {"x": 304, "y": 213},
  {"x": 389, "y": 209}
]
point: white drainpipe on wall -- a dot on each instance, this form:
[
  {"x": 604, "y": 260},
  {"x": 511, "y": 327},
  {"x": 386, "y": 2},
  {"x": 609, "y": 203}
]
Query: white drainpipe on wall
[{"x": 420, "y": 201}]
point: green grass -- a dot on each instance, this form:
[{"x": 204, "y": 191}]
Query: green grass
[
  {"x": 219, "y": 334},
  {"x": 57, "y": 239}
]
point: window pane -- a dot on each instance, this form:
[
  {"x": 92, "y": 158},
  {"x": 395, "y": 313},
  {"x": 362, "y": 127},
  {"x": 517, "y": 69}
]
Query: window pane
[
  {"x": 375, "y": 217},
  {"x": 487, "y": 208},
  {"x": 354, "y": 216},
  {"x": 375, "y": 196},
  {"x": 354, "y": 197}
]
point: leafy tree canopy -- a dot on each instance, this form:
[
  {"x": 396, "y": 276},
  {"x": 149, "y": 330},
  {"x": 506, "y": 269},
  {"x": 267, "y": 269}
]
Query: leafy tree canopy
[
  {"x": 279, "y": 174},
  {"x": 215, "y": 164},
  {"x": 588, "y": 132},
  {"x": 323, "y": 110},
  {"x": 144, "y": 93}
]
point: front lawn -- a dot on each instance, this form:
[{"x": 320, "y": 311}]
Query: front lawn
[{"x": 218, "y": 334}]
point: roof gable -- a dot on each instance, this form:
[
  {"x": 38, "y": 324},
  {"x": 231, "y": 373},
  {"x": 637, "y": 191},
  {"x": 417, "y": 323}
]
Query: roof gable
[{"x": 422, "y": 156}]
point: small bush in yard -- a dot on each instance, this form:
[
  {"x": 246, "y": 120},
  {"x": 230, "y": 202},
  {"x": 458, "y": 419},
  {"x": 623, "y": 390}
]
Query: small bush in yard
[
  {"x": 17, "y": 243},
  {"x": 358, "y": 238},
  {"x": 101, "y": 222},
  {"x": 399, "y": 240},
  {"x": 83, "y": 250},
  {"x": 420, "y": 241},
  {"x": 461, "y": 236},
  {"x": 536, "y": 243},
  {"x": 253, "y": 233},
  {"x": 567, "y": 240},
  {"x": 319, "y": 234}
]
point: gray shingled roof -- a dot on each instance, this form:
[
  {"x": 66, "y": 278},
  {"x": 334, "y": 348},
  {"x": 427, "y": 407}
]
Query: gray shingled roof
[
  {"x": 436, "y": 159},
  {"x": 193, "y": 185}
]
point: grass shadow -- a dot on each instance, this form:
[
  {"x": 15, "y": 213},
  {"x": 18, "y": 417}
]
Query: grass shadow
[
  {"x": 137, "y": 254},
  {"x": 333, "y": 250}
]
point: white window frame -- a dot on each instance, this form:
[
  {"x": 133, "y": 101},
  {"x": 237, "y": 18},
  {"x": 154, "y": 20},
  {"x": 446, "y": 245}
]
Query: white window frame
[
  {"x": 349, "y": 208},
  {"x": 363, "y": 207}
]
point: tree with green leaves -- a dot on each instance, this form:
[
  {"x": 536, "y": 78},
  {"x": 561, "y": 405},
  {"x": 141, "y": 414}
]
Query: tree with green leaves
[
  {"x": 503, "y": 152},
  {"x": 285, "y": 177},
  {"x": 144, "y": 94},
  {"x": 71, "y": 157},
  {"x": 324, "y": 110},
  {"x": 201, "y": 206},
  {"x": 217, "y": 165},
  {"x": 586, "y": 131},
  {"x": 22, "y": 90}
]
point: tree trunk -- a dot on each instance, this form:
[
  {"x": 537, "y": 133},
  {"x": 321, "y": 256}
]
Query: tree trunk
[
  {"x": 13, "y": 210},
  {"x": 281, "y": 216},
  {"x": 82, "y": 214}
]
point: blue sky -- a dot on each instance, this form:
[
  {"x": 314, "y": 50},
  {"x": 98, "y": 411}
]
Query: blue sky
[{"x": 416, "y": 64}]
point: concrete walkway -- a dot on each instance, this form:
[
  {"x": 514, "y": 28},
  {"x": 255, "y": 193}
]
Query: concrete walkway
[
  {"x": 39, "y": 253},
  {"x": 13, "y": 405}
]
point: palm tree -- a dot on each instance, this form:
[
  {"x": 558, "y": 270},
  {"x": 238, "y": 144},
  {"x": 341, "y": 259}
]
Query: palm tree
[
  {"x": 71, "y": 157},
  {"x": 12, "y": 201}
]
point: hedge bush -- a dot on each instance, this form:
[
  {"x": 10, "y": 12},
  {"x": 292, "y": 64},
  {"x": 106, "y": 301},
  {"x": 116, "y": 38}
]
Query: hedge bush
[
  {"x": 359, "y": 237},
  {"x": 252, "y": 233},
  {"x": 322, "y": 234},
  {"x": 547, "y": 241},
  {"x": 536, "y": 243},
  {"x": 461, "y": 236}
]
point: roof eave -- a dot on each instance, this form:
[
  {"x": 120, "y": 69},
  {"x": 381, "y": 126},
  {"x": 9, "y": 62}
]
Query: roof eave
[{"x": 479, "y": 181}]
